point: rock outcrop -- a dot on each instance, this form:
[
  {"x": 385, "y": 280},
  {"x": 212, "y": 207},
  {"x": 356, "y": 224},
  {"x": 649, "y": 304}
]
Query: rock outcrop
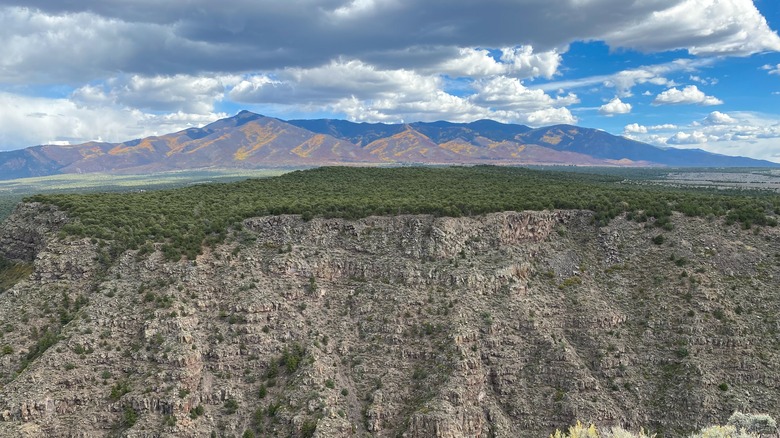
[
  {"x": 509, "y": 324},
  {"x": 25, "y": 234}
]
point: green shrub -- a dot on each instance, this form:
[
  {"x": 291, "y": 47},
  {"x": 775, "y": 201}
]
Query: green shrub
[
  {"x": 308, "y": 428},
  {"x": 197, "y": 411},
  {"x": 292, "y": 357},
  {"x": 273, "y": 408},
  {"x": 119, "y": 389},
  {"x": 231, "y": 406},
  {"x": 129, "y": 417}
]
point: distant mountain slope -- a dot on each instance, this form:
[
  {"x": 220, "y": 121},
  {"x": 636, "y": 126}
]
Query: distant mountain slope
[
  {"x": 249, "y": 140},
  {"x": 25, "y": 163},
  {"x": 600, "y": 144},
  {"x": 359, "y": 134}
]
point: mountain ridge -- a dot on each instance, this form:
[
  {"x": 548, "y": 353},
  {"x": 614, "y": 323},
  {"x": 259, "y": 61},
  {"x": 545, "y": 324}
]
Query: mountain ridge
[{"x": 249, "y": 140}]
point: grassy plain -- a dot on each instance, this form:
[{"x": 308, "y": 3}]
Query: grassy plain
[{"x": 13, "y": 191}]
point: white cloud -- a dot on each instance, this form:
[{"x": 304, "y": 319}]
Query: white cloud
[
  {"x": 27, "y": 121},
  {"x": 519, "y": 62},
  {"x": 635, "y": 128},
  {"x": 184, "y": 93},
  {"x": 695, "y": 137},
  {"x": 547, "y": 116},
  {"x": 663, "y": 127},
  {"x": 524, "y": 63},
  {"x": 719, "y": 118},
  {"x": 703, "y": 27},
  {"x": 364, "y": 92},
  {"x": 615, "y": 106},
  {"x": 625, "y": 80},
  {"x": 335, "y": 80},
  {"x": 744, "y": 133},
  {"x": 688, "y": 95},
  {"x": 438, "y": 105},
  {"x": 510, "y": 93},
  {"x": 471, "y": 62},
  {"x": 772, "y": 70},
  {"x": 703, "y": 81}
]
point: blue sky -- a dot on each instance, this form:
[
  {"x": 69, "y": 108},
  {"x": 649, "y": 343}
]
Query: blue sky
[{"x": 674, "y": 73}]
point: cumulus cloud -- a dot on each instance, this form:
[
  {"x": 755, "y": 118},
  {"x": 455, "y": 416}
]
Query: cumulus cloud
[
  {"x": 471, "y": 62},
  {"x": 719, "y": 118},
  {"x": 26, "y": 121},
  {"x": 364, "y": 92},
  {"x": 703, "y": 27},
  {"x": 519, "y": 62},
  {"x": 335, "y": 80},
  {"x": 179, "y": 93},
  {"x": 523, "y": 62},
  {"x": 650, "y": 134},
  {"x": 689, "y": 95},
  {"x": 635, "y": 128},
  {"x": 695, "y": 137},
  {"x": 737, "y": 133},
  {"x": 510, "y": 93},
  {"x": 615, "y": 106}
]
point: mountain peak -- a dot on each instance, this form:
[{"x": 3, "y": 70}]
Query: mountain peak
[{"x": 245, "y": 113}]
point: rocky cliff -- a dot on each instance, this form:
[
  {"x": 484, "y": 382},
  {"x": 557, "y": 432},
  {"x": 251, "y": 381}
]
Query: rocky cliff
[{"x": 507, "y": 325}]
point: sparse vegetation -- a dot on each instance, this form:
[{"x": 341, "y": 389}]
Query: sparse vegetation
[
  {"x": 197, "y": 411},
  {"x": 129, "y": 417},
  {"x": 11, "y": 273},
  {"x": 291, "y": 357},
  {"x": 231, "y": 406},
  {"x": 119, "y": 389}
]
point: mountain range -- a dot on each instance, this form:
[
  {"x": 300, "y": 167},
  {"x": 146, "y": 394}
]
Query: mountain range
[{"x": 249, "y": 140}]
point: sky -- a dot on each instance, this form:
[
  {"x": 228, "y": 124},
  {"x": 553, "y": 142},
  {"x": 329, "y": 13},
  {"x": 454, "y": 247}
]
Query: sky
[{"x": 673, "y": 73}]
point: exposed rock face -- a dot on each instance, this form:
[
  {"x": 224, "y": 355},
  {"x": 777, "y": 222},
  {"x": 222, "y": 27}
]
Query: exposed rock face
[
  {"x": 22, "y": 237},
  {"x": 508, "y": 324}
]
